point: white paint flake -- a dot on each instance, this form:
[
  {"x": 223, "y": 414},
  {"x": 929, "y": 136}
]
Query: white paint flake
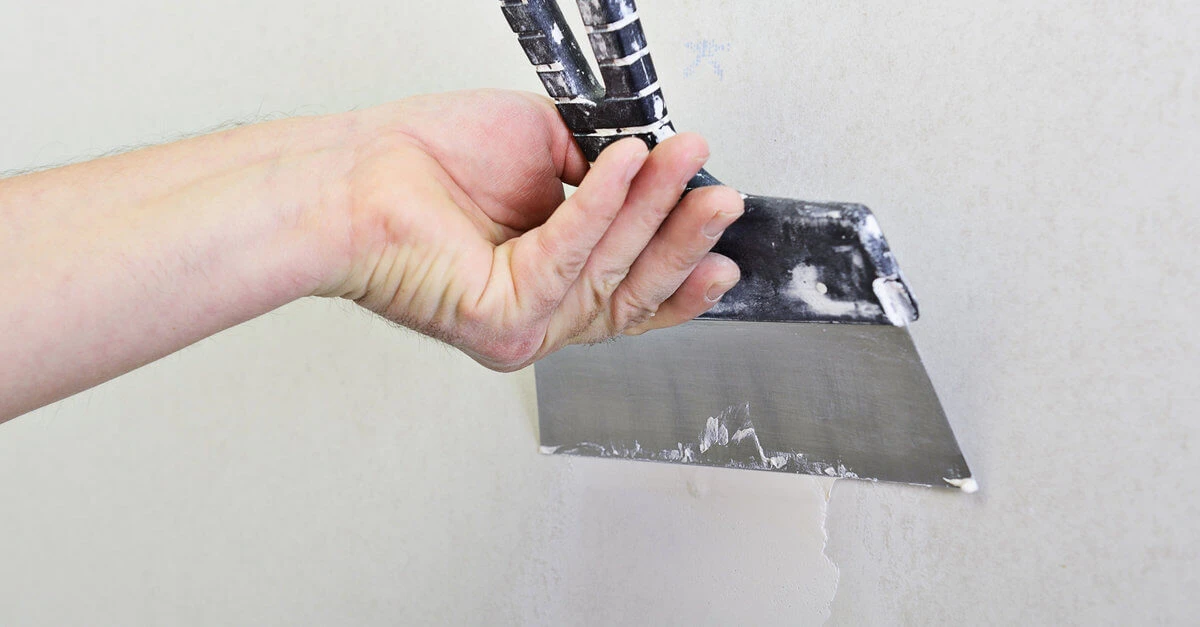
[
  {"x": 968, "y": 485},
  {"x": 715, "y": 434}
]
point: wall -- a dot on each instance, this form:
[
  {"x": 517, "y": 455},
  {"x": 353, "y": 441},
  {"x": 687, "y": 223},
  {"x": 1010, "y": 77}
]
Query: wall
[{"x": 1032, "y": 163}]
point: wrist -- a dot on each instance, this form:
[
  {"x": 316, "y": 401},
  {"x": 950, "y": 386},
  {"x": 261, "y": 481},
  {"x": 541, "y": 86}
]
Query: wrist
[
  {"x": 356, "y": 189},
  {"x": 307, "y": 195}
]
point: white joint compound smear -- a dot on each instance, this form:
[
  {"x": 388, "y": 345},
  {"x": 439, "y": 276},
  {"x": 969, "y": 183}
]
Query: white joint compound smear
[
  {"x": 968, "y": 485},
  {"x": 714, "y": 433},
  {"x": 774, "y": 461},
  {"x": 894, "y": 298},
  {"x": 717, "y": 446},
  {"x": 575, "y": 100},
  {"x": 840, "y": 472},
  {"x": 804, "y": 287}
]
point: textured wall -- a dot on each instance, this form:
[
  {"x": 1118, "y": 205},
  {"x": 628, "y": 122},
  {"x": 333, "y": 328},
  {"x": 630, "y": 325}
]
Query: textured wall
[{"x": 1032, "y": 163}]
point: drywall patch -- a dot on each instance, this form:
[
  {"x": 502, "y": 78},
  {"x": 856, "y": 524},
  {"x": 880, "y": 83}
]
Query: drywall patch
[{"x": 667, "y": 539}]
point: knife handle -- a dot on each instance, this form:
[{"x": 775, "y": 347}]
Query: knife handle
[
  {"x": 552, "y": 49},
  {"x": 630, "y": 102}
]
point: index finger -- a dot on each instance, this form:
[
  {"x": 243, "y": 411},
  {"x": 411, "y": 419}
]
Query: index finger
[{"x": 549, "y": 258}]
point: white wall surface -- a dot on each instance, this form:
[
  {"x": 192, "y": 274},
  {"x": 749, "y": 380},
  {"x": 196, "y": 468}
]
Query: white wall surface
[{"x": 1034, "y": 164}]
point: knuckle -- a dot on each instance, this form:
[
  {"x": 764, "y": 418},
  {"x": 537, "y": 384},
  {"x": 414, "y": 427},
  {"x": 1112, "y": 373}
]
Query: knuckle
[
  {"x": 677, "y": 258},
  {"x": 593, "y": 205},
  {"x": 630, "y": 310},
  {"x": 607, "y": 282},
  {"x": 564, "y": 264},
  {"x": 546, "y": 245},
  {"x": 651, "y": 219}
]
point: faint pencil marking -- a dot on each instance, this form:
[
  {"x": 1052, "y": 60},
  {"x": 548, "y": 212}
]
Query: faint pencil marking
[{"x": 706, "y": 53}]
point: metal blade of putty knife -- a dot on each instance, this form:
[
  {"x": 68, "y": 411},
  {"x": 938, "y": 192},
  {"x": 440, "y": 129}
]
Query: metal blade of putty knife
[
  {"x": 805, "y": 366},
  {"x": 842, "y": 400}
]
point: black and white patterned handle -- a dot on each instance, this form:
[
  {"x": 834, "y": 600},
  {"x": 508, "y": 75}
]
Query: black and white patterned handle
[
  {"x": 800, "y": 261},
  {"x": 629, "y": 103}
]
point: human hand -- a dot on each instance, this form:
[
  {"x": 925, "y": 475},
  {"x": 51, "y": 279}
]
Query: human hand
[{"x": 458, "y": 228}]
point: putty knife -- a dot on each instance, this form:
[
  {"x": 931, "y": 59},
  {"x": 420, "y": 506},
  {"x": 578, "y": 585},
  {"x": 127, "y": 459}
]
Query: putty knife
[{"x": 805, "y": 366}]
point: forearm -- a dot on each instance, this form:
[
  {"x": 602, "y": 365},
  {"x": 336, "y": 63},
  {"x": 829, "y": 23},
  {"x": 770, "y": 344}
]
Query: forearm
[
  {"x": 444, "y": 213},
  {"x": 108, "y": 265}
]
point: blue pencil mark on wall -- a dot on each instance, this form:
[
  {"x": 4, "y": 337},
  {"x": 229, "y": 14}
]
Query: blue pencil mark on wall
[{"x": 706, "y": 51}]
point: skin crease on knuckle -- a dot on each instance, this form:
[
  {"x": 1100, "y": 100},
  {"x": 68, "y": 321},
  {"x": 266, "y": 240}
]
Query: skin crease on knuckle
[
  {"x": 605, "y": 284},
  {"x": 681, "y": 258},
  {"x": 564, "y": 264},
  {"x": 630, "y": 309}
]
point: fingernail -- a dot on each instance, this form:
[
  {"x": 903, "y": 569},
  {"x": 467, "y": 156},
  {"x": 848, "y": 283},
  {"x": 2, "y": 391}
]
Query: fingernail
[
  {"x": 718, "y": 289},
  {"x": 718, "y": 223}
]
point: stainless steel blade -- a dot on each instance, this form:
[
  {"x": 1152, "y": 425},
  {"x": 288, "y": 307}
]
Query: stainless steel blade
[{"x": 842, "y": 400}]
